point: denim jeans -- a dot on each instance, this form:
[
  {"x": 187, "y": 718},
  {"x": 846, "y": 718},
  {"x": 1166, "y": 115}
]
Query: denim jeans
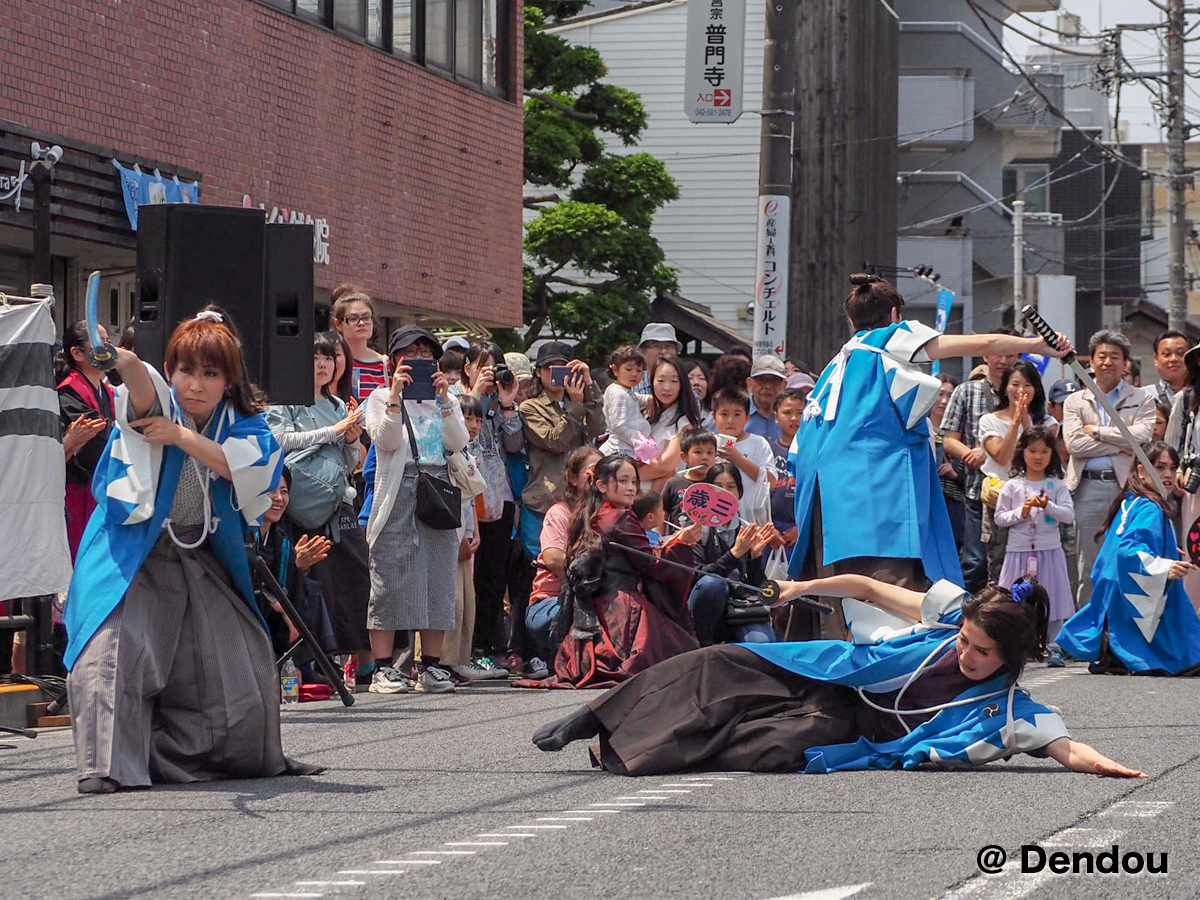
[
  {"x": 539, "y": 616},
  {"x": 707, "y": 602},
  {"x": 974, "y": 553}
]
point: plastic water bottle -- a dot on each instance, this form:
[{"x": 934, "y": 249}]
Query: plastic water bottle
[{"x": 289, "y": 683}]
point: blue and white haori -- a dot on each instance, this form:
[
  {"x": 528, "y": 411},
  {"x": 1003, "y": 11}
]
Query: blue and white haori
[
  {"x": 991, "y": 720},
  {"x": 134, "y": 487},
  {"x": 1151, "y": 624},
  {"x": 864, "y": 443}
]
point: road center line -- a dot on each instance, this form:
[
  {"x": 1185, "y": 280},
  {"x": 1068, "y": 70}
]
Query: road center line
[
  {"x": 479, "y": 843},
  {"x": 373, "y": 871},
  {"x": 539, "y": 826},
  {"x": 565, "y": 819},
  {"x": 407, "y": 862},
  {"x": 443, "y": 853}
]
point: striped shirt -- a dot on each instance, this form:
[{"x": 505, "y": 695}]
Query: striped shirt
[{"x": 366, "y": 377}]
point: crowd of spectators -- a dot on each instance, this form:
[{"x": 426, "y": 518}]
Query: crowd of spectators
[{"x": 566, "y": 464}]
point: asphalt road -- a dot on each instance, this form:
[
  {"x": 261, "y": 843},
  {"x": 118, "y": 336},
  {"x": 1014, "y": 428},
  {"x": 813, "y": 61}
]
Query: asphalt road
[{"x": 445, "y": 797}]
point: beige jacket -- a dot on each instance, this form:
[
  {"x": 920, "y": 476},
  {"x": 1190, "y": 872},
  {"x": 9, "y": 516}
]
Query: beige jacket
[{"x": 1136, "y": 408}]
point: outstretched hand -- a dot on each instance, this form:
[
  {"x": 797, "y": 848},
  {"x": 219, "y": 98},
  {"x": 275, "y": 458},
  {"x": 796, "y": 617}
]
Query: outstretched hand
[{"x": 1108, "y": 768}]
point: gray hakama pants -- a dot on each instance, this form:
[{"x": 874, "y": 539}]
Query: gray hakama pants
[{"x": 179, "y": 682}]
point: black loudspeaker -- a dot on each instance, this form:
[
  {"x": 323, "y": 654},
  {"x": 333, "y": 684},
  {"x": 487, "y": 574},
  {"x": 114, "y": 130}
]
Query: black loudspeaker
[
  {"x": 191, "y": 255},
  {"x": 288, "y": 314}
]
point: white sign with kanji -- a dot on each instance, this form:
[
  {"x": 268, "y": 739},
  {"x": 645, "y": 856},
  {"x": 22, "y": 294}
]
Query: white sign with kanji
[
  {"x": 712, "y": 81},
  {"x": 770, "y": 294}
]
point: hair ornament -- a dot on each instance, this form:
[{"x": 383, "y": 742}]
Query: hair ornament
[
  {"x": 1022, "y": 591},
  {"x": 209, "y": 315},
  {"x": 591, "y": 474}
]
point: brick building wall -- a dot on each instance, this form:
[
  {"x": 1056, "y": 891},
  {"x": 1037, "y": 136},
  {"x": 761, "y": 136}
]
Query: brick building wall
[{"x": 418, "y": 176}]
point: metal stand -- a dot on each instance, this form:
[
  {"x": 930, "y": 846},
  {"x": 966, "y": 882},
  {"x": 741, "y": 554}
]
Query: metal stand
[{"x": 328, "y": 669}]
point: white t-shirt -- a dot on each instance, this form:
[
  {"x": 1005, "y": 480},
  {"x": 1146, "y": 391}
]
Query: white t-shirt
[{"x": 991, "y": 425}]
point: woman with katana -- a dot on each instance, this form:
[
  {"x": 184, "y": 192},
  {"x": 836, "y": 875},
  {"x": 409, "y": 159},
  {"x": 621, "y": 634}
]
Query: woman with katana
[{"x": 929, "y": 678}]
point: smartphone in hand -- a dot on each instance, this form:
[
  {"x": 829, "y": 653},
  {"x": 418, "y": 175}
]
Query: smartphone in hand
[
  {"x": 421, "y": 371},
  {"x": 559, "y": 375}
]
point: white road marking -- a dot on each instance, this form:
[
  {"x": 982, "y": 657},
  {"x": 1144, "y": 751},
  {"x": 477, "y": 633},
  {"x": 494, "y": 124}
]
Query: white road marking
[
  {"x": 1141, "y": 809},
  {"x": 1008, "y": 884},
  {"x": 688, "y": 784},
  {"x": 509, "y": 834},
  {"x": 407, "y": 862},
  {"x": 480, "y": 843},
  {"x": 443, "y": 853},
  {"x": 373, "y": 871},
  {"x": 565, "y": 819},
  {"x": 664, "y": 791},
  {"x": 294, "y": 894},
  {"x": 323, "y": 883},
  {"x": 1081, "y": 838},
  {"x": 638, "y": 803},
  {"x": 837, "y": 893},
  {"x": 539, "y": 826},
  {"x": 642, "y": 797},
  {"x": 592, "y": 812}
]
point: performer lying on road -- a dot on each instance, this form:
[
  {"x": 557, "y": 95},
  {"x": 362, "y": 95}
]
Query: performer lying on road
[{"x": 929, "y": 678}]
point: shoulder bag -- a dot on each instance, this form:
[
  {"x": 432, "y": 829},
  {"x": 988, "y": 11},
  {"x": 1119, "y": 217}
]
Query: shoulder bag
[
  {"x": 439, "y": 503},
  {"x": 319, "y": 479}
]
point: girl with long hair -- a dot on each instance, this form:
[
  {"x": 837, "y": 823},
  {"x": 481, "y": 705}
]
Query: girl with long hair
[
  {"x": 1139, "y": 618},
  {"x": 626, "y": 603},
  {"x": 942, "y": 689},
  {"x": 545, "y": 598},
  {"x": 172, "y": 676},
  {"x": 324, "y": 438},
  {"x": 1031, "y": 506},
  {"x": 354, "y": 318},
  {"x": 671, "y": 410}
]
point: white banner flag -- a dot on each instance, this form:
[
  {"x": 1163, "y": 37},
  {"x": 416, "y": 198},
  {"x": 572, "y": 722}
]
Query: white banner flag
[
  {"x": 33, "y": 524},
  {"x": 712, "y": 81}
]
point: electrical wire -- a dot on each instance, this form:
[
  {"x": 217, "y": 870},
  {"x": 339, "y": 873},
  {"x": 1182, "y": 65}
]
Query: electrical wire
[
  {"x": 1027, "y": 37},
  {"x": 1050, "y": 105}
]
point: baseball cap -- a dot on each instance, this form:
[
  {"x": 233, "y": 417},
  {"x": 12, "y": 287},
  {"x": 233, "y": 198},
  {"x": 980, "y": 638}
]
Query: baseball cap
[
  {"x": 456, "y": 342},
  {"x": 410, "y": 334},
  {"x": 553, "y": 352},
  {"x": 1061, "y": 390},
  {"x": 519, "y": 363},
  {"x": 768, "y": 365}
]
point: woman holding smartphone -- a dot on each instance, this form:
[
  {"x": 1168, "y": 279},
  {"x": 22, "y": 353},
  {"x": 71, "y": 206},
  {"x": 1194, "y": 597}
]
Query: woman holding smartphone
[{"x": 413, "y": 566}]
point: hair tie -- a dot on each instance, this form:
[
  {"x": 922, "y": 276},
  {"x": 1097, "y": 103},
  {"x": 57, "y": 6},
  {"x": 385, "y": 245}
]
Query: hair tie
[
  {"x": 209, "y": 315},
  {"x": 1022, "y": 591}
]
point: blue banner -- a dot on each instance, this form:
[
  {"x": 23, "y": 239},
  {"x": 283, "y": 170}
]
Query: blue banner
[
  {"x": 138, "y": 188},
  {"x": 945, "y": 301}
]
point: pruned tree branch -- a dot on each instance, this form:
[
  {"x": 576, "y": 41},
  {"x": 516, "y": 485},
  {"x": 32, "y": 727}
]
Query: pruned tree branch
[
  {"x": 562, "y": 107},
  {"x": 532, "y": 201},
  {"x": 579, "y": 283}
]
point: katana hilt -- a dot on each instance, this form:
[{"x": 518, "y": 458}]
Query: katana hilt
[{"x": 1047, "y": 334}]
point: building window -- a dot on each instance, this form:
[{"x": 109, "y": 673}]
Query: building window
[
  {"x": 463, "y": 38},
  {"x": 1028, "y": 183}
]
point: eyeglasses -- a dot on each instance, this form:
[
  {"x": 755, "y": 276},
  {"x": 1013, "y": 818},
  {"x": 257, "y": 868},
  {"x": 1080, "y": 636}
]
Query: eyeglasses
[{"x": 358, "y": 320}]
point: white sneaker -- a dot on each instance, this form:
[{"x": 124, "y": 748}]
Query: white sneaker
[
  {"x": 484, "y": 668},
  {"x": 434, "y": 680},
  {"x": 386, "y": 680},
  {"x": 465, "y": 672}
]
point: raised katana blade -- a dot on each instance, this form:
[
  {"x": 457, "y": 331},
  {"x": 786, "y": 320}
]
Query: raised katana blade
[{"x": 1050, "y": 337}]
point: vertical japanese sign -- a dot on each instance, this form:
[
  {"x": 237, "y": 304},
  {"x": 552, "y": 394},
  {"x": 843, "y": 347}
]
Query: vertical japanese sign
[
  {"x": 712, "y": 81},
  {"x": 945, "y": 301},
  {"x": 770, "y": 295}
]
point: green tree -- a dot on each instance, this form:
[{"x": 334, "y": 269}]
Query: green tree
[{"x": 591, "y": 263}]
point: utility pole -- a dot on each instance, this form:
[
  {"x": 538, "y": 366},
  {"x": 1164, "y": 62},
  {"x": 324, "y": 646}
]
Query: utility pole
[
  {"x": 1177, "y": 177},
  {"x": 1018, "y": 208},
  {"x": 775, "y": 181}
]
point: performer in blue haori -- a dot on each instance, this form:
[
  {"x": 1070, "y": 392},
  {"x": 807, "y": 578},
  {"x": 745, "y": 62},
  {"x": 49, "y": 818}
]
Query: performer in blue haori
[
  {"x": 171, "y": 672},
  {"x": 868, "y": 499},
  {"x": 929, "y": 678},
  {"x": 1139, "y": 618}
]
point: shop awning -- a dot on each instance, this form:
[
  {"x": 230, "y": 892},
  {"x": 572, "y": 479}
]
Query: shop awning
[{"x": 694, "y": 320}]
